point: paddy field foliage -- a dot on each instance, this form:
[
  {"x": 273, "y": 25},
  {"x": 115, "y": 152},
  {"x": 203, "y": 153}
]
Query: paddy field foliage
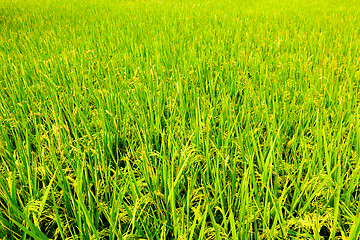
[{"x": 179, "y": 119}]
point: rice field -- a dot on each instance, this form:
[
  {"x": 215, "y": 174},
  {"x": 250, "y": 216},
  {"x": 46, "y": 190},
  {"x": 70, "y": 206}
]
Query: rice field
[{"x": 185, "y": 119}]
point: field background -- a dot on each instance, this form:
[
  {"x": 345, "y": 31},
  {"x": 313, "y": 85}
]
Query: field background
[{"x": 179, "y": 119}]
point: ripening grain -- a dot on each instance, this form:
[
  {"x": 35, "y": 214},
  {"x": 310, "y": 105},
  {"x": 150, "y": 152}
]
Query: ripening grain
[{"x": 179, "y": 119}]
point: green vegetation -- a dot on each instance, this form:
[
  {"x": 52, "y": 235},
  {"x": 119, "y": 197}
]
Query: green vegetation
[{"x": 179, "y": 119}]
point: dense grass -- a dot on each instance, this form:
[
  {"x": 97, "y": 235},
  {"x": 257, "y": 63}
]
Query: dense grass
[{"x": 179, "y": 119}]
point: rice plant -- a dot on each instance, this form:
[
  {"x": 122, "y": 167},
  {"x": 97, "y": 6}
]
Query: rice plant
[{"x": 179, "y": 119}]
